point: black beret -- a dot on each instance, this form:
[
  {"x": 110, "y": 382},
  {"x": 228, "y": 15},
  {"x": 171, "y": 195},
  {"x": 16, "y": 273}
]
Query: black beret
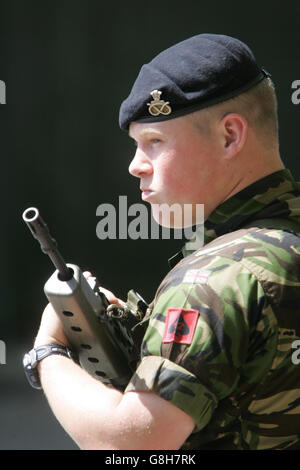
[{"x": 193, "y": 74}]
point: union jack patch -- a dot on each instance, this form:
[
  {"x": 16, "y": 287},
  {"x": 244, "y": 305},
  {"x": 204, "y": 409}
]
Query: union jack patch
[
  {"x": 180, "y": 325},
  {"x": 196, "y": 276}
]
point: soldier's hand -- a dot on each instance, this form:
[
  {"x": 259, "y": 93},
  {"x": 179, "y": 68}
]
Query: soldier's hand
[
  {"x": 51, "y": 329},
  {"x": 108, "y": 294}
]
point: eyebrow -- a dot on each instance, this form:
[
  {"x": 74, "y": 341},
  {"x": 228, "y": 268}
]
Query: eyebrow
[{"x": 147, "y": 130}]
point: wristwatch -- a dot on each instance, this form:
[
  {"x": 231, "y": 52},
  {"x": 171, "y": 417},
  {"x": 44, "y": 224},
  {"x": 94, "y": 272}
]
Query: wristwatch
[{"x": 33, "y": 357}]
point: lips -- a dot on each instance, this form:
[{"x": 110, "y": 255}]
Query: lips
[{"x": 145, "y": 193}]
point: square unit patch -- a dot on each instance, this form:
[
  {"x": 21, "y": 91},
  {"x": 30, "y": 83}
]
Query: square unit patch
[{"x": 180, "y": 325}]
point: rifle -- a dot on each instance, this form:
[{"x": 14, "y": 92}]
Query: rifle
[{"x": 98, "y": 332}]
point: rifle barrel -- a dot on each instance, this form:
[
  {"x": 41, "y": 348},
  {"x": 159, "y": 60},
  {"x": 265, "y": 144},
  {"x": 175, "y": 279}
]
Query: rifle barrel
[{"x": 40, "y": 231}]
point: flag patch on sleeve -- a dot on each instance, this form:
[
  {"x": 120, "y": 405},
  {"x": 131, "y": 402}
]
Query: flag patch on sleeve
[
  {"x": 196, "y": 276},
  {"x": 180, "y": 325}
]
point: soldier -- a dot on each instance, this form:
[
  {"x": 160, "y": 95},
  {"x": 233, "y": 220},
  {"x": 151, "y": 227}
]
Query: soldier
[{"x": 217, "y": 368}]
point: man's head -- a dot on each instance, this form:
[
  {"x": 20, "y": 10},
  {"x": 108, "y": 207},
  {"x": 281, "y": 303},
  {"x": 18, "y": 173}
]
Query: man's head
[{"x": 204, "y": 118}]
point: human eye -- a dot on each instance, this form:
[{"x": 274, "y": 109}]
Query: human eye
[{"x": 155, "y": 140}]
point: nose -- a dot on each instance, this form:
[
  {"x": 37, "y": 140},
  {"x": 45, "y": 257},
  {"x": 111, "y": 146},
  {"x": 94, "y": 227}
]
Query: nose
[{"x": 140, "y": 165}]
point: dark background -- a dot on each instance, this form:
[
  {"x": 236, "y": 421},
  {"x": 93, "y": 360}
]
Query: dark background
[{"x": 67, "y": 65}]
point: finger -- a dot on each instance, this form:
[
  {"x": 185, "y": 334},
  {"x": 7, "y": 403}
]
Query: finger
[
  {"x": 111, "y": 297},
  {"x": 108, "y": 294},
  {"x": 87, "y": 274}
]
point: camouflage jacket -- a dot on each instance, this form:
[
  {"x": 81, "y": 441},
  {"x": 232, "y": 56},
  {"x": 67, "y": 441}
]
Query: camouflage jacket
[{"x": 222, "y": 338}]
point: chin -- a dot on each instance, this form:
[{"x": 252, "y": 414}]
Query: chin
[
  {"x": 168, "y": 216},
  {"x": 177, "y": 216}
]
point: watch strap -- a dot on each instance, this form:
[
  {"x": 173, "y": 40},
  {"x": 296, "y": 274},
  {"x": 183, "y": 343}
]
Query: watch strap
[{"x": 33, "y": 357}]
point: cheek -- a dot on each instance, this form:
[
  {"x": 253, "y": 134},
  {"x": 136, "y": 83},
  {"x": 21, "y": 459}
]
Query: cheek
[
  {"x": 172, "y": 176},
  {"x": 177, "y": 185}
]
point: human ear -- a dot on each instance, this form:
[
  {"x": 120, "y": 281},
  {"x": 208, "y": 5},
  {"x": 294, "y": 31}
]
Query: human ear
[{"x": 234, "y": 129}]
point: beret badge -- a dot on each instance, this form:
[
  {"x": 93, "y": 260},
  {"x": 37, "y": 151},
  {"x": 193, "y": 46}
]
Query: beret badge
[{"x": 158, "y": 106}]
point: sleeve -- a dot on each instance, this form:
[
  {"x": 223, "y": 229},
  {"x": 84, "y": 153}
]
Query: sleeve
[{"x": 202, "y": 327}]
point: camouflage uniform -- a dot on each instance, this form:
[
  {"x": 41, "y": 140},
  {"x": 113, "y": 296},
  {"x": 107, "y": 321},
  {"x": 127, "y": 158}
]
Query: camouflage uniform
[{"x": 219, "y": 340}]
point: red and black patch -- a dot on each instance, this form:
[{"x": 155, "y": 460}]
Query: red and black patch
[{"x": 180, "y": 325}]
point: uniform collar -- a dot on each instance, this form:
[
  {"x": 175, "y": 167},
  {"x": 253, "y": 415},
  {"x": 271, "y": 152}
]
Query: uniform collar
[{"x": 263, "y": 199}]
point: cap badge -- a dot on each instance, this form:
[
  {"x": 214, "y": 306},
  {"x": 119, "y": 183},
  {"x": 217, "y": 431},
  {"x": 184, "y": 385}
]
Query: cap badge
[{"x": 158, "y": 106}]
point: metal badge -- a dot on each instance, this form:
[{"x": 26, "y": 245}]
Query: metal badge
[{"x": 158, "y": 106}]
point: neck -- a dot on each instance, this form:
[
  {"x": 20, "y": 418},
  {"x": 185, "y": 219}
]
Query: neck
[
  {"x": 252, "y": 169},
  {"x": 241, "y": 172}
]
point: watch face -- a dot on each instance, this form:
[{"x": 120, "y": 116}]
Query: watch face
[
  {"x": 31, "y": 371},
  {"x": 26, "y": 360}
]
